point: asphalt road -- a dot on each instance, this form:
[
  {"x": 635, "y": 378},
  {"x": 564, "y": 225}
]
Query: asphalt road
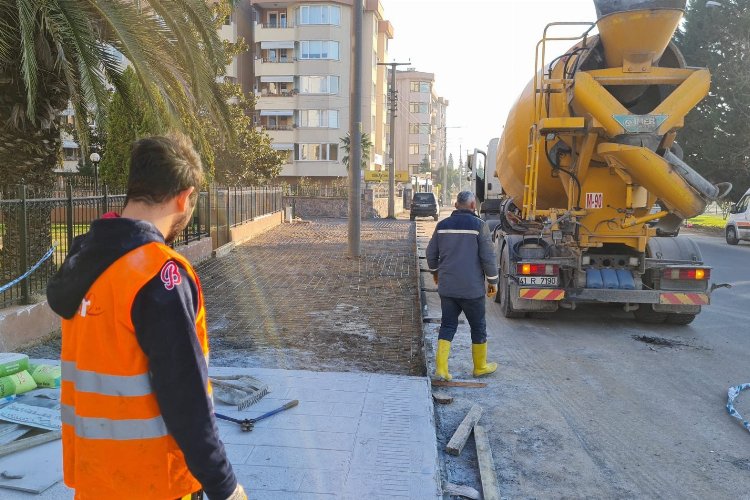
[{"x": 580, "y": 408}]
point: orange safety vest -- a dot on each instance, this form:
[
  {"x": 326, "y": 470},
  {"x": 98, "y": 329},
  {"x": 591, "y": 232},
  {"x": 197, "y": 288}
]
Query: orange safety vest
[{"x": 115, "y": 442}]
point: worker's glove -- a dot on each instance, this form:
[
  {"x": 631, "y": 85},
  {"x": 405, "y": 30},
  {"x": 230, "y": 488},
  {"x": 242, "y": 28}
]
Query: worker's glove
[
  {"x": 239, "y": 493},
  {"x": 435, "y": 278},
  {"x": 491, "y": 290}
]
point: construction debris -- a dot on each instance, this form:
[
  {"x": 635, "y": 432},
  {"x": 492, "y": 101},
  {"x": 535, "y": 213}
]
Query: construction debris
[
  {"x": 490, "y": 489},
  {"x": 460, "y": 490},
  {"x": 441, "y": 397},
  {"x": 26, "y": 443},
  {"x": 458, "y": 441}
]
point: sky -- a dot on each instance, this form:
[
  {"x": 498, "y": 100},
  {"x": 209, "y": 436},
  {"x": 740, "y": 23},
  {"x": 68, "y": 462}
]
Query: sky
[{"x": 482, "y": 54}]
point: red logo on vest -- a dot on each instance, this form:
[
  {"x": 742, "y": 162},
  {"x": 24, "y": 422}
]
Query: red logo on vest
[{"x": 170, "y": 275}]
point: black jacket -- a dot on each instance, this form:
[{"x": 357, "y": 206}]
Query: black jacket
[{"x": 165, "y": 328}]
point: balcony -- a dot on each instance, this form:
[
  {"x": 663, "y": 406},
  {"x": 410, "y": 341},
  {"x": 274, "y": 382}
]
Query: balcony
[
  {"x": 268, "y": 67},
  {"x": 277, "y": 33}
]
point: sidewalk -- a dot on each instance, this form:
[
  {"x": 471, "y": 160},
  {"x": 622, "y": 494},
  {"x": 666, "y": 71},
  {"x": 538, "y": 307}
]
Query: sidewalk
[{"x": 353, "y": 435}]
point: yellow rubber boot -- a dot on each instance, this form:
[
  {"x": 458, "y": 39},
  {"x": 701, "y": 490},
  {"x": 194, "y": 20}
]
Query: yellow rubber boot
[
  {"x": 481, "y": 366},
  {"x": 441, "y": 359}
]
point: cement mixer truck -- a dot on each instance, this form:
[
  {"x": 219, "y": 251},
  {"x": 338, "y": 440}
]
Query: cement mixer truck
[{"x": 592, "y": 173}]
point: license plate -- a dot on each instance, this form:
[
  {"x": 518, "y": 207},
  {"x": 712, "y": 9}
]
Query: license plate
[{"x": 538, "y": 280}]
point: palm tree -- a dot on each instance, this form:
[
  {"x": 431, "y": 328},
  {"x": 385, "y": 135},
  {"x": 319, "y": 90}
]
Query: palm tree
[
  {"x": 55, "y": 52},
  {"x": 346, "y": 146},
  {"x": 59, "y": 52}
]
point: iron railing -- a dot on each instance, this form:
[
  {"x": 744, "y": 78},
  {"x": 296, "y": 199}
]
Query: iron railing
[{"x": 30, "y": 226}]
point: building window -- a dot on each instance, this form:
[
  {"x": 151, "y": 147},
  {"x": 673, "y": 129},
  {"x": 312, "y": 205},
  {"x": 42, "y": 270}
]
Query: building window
[
  {"x": 414, "y": 168},
  {"x": 319, "y": 84},
  {"x": 419, "y": 107},
  {"x": 316, "y": 152},
  {"x": 413, "y": 149},
  {"x": 319, "y": 118},
  {"x": 419, "y": 128},
  {"x": 414, "y": 86},
  {"x": 320, "y": 14},
  {"x": 424, "y": 87},
  {"x": 71, "y": 154},
  {"x": 319, "y": 49}
]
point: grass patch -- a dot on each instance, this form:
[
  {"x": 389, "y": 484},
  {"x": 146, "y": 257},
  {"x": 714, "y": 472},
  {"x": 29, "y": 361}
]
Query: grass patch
[{"x": 708, "y": 220}]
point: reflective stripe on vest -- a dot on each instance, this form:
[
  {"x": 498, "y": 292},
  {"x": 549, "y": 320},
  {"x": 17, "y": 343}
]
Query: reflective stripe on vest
[
  {"x": 106, "y": 385},
  {"x": 119, "y": 430}
]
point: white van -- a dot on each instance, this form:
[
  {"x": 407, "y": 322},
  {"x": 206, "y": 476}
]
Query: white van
[{"x": 738, "y": 223}]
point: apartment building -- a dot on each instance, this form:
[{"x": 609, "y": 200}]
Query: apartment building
[
  {"x": 420, "y": 124},
  {"x": 302, "y": 77}
]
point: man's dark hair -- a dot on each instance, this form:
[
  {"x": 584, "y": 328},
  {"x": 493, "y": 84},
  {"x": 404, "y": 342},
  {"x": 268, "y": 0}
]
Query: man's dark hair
[{"x": 161, "y": 167}]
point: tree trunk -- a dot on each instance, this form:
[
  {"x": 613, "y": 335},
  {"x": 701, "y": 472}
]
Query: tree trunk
[{"x": 27, "y": 157}]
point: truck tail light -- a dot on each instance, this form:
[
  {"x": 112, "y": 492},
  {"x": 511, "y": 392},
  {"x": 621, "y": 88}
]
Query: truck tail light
[
  {"x": 538, "y": 269},
  {"x": 698, "y": 273}
]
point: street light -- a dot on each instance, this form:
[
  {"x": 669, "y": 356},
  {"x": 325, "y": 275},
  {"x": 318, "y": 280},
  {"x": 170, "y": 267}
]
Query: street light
[{"x": 94, "y": 157}]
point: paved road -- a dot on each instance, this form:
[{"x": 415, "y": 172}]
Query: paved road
[{"x": 579, "y": 408}]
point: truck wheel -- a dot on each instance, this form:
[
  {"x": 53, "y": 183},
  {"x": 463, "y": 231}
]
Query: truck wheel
[
  {"x": 680, "y": 319},
  {"x": 412, "y": 217},
  {"x": 503, "y": 289},
  {"x": 436, "y": 217},
  {"x": 732, "y": 236},
  {"x": 646, "y": 314}
]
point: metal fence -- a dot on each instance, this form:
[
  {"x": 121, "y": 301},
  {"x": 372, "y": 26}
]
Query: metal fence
[
  {"x": 30, "y": 226},
  {"x": 317, "y": 191}
]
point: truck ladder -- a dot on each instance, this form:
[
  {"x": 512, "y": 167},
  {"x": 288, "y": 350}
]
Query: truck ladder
[{"x": 543, "y": 87}]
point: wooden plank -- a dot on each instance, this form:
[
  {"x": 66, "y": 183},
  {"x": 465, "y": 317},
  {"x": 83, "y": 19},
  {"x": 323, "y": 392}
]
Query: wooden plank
[
  {"x": 441, "y": 397},
  {"x": 490, "y": 489},
  {"x": 457, "y": 442},
  {"x": 460, "y": 490},
  {"x": 457, "y": 383}
]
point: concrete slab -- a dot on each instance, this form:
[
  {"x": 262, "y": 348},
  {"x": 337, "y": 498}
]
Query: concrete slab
[{"x": 353, "y": 435}]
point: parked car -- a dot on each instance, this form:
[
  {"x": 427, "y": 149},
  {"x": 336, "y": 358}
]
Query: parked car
[
  {"x": 738, "y": 222},
  {"x": 424, "y": 205}
]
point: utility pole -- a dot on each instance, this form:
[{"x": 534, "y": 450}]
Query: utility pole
[
  {"x": 355, "y": 136},
  {"x": 391, "y": 150}
]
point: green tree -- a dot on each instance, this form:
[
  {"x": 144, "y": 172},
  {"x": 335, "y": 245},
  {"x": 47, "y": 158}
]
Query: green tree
[
  {"x": 366, "y": 148},
  {"x": 424, "y": 166},
  {"x": 715, "y": 137},
  {"x": 53, "y": 52},
  {"x": 249, "y": 160},
  {"x": 127, "y": 124}
]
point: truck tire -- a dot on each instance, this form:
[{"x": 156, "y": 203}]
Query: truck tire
[
  {"x": 732, "y": 238},
  {"x": 436, "y": 217},
  {"x": 503, "y": 289},
  {"x": 412, "y": 217},
  {"x": 680, "y": 319},
  {"x": 646, "y": 314}
]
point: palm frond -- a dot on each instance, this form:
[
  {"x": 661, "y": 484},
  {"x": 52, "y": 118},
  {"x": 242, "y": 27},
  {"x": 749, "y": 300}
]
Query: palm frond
[{"x": 27, "y": 24}]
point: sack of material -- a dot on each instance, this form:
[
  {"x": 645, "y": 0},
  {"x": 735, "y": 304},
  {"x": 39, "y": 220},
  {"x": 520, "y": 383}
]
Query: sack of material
[
  {"x": 18, "y": 383},
  {"x": 11, "y": 363},
  {"x": 48, "y": 376}
]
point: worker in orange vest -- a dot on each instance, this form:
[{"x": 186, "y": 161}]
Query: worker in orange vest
[{"x": 137, "y": 413}]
